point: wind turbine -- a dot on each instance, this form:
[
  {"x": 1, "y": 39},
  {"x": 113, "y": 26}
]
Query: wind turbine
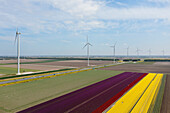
[
  {"x": 137, "y": 51},
  {"x": 114, "y": 50},
  {"x": 87, "y": 44},
  {"x": 18, "y": 49},
  {"x": 163, "y": 52},
  {"x": 127, "y": 51},
  {"x": 149, "y": 52}
]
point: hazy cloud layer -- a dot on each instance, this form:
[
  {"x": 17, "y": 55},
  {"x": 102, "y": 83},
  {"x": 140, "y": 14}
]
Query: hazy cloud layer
[{"x": 51, "y": 15}]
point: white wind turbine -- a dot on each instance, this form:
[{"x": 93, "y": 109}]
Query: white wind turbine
[
  {"x": 114, "y": 51},
  {"x": 149, "y": 51},
  {"x": 18, "y": 49},
  {"x": 137, "y": 51},
  {"x": 87, "y": 44},
  {"x": 127, "y": 51},
  {"x": 163, "y": 52}
]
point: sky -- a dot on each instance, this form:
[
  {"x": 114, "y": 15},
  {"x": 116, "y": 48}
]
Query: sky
[{"x": 60, "y": 27}]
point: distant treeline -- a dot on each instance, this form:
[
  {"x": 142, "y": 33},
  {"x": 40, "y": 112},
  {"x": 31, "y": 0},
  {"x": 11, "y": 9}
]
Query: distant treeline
[{"x": 133, "y": 60}]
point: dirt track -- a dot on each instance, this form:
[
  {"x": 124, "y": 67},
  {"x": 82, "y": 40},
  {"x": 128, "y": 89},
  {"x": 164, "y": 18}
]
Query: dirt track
[{"x": 166, "y": 99}]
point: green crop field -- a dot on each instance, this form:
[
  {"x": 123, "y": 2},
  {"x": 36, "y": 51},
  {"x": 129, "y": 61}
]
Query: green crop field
[
  {"x": 9, "y": 70},
  {"x": 17, "y": 97}
]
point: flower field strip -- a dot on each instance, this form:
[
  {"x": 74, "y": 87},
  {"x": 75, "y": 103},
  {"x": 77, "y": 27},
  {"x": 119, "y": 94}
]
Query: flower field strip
[
  {"x": 75, "y": 99},
  {"x": 118, "y": 95},
  {"x": 128, "y": 101},
  {"x": 94, "y": 102},
  {"x": 146, "y": 100}
]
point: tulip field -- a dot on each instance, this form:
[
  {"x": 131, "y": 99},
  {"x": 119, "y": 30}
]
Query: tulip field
[{"x": 126, "y": 92}]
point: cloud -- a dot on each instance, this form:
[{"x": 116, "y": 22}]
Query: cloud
[
  {"x": 78, "y": 8},
  {"x": 121, "y": 4},
  {"x": 66, "y": 41},
  {"x": 140, "y": 13},
  {"x": 49, "y": 16},
  {"x": 160, "y": 1},
  {"x": 8, "y": 38}
]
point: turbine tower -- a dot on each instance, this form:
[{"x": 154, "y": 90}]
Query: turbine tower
[
  {"x": 88, "y": 47},
  {"x": 137, "y": 51},
  {"x": 114, "y": 51},
  {"x": 127, "y": 51},
  {"x": 18, "y": 49},
  {"x": 149, "y": 51},
  {"x": 163, "y": 52}
]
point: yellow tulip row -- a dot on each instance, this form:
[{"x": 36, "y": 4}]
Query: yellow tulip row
[{"x": 140, "y": 97}]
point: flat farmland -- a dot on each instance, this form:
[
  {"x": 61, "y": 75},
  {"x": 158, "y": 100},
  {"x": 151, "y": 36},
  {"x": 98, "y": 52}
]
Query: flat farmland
[
  {"x": 22, "y": 60},
  {"x": 21, "y": 96},
  {"x": 158, "y": 67},
  {"x": 76, "y": 63},
  {"x": 37, "y": 66},
  {"x": 10, "y": 70},
  {"x": 54, "y": 65}
]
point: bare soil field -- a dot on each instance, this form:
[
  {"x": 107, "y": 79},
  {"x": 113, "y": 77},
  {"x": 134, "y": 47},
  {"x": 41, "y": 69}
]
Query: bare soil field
[
  {"x": 76, "y": 63},
  {"x": 22, "y": 60},
  {"x": 158, "y": 67},
  {"x": 165, "y": 108},
  {"x": 37, "y": 66}
]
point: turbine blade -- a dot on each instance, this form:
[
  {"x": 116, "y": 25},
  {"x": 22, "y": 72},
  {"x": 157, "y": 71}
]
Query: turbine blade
[
  {"x": 16, "y": 36},
  {"x": 90, "y": 44},
  {"x": 85, "y": 45},
  {"x": 15, "y": 39},
  {"x": 87, "y": 39},
  {"x": 115, "y": 43}
]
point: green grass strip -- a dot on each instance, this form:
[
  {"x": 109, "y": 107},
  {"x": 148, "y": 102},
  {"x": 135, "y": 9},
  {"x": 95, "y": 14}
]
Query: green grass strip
[
  {"x": 155, "y": 108},
  {"x": 36, "y": 73},
  {"x": 10, "y": 70}
]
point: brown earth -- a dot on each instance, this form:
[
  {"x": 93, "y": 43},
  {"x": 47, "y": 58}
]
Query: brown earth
[
  {"x": 166, "y": 98},
  {"x": 37, "y": 66},
  {"x": 76, "y": 63},
  {"x": 158, "y": 67},
  {"x": 58, "y": 64},
  {"x": 22, "y": 60}
]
